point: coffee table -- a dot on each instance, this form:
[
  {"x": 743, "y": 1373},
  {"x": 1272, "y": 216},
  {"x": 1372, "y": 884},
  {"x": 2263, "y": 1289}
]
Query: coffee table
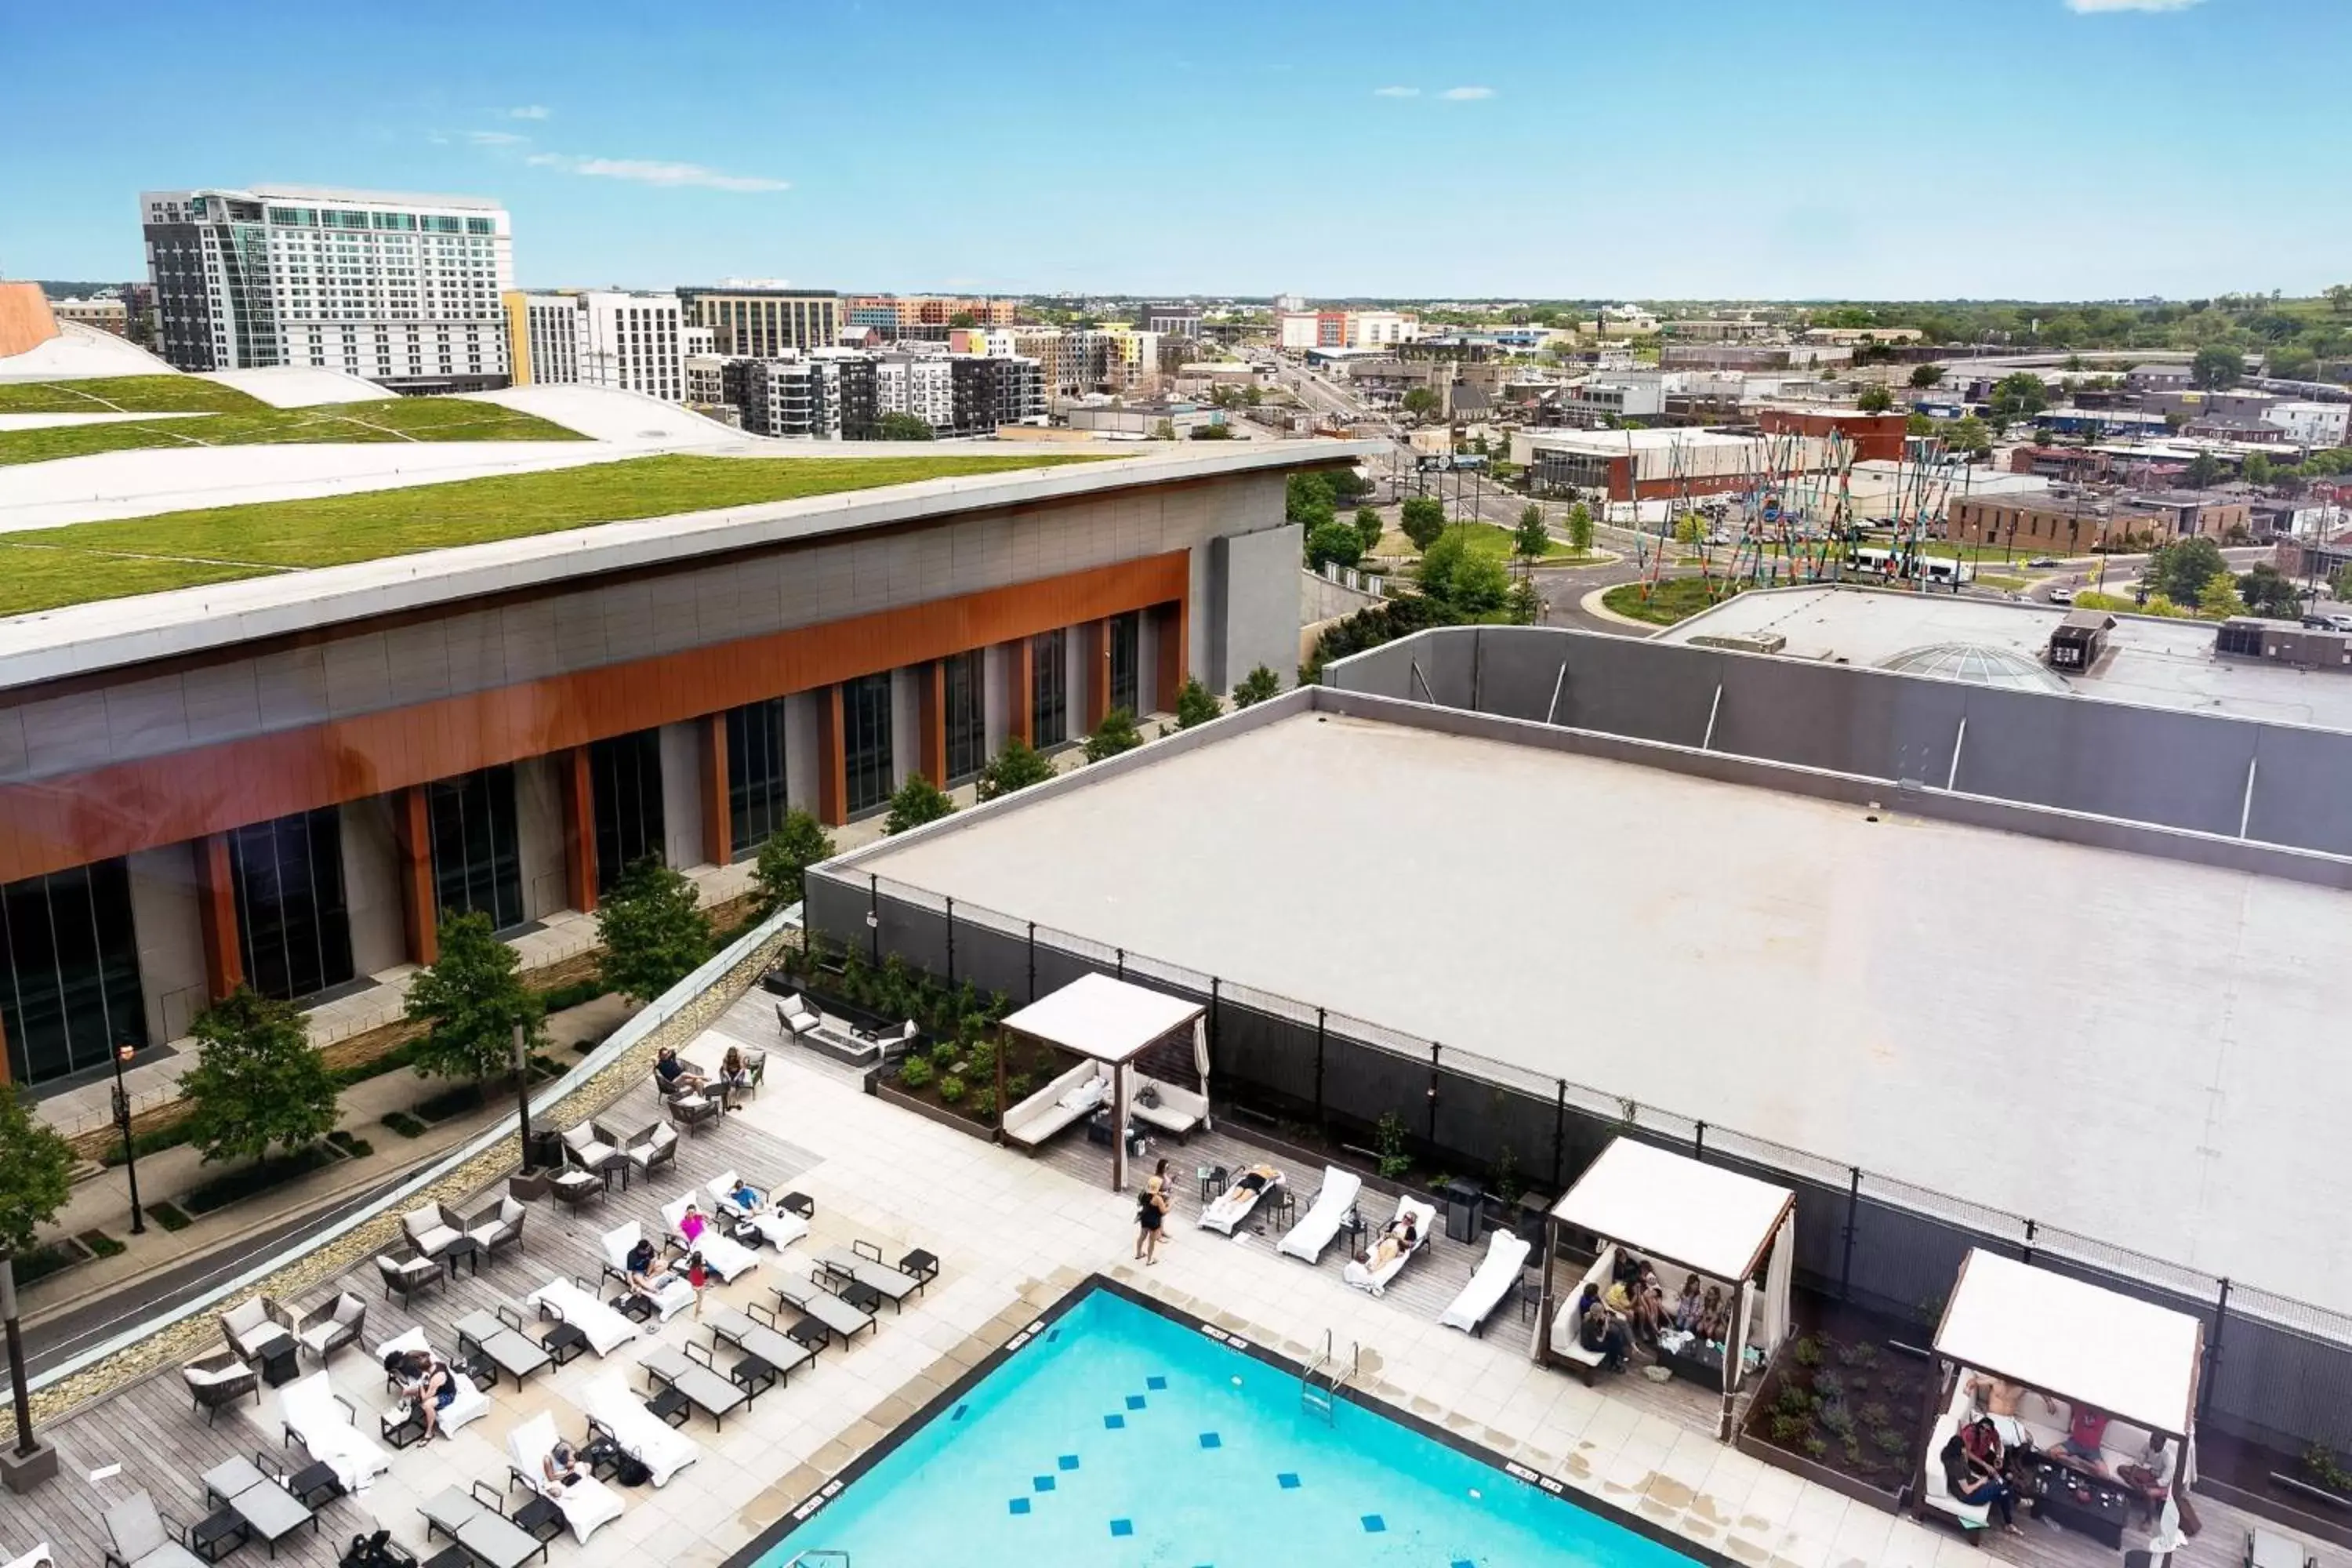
[
  {"x": 540, "y": 1518},
  {"x": 921, "y": 1264},
  {"x": 2099, "y": 1513},
  {"x": 670, "y": 1407},
  {"x": 800, "y": 1204},
  {"x": 272, "y": 1513},
  {"x": 563, "y": 1343},
  {"x": 314, "y": 1484},
  {"x": 467, "y": 1247},
  {"x": 218, "y": 1533}
]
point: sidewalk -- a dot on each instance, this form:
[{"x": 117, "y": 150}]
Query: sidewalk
[{"x": 103, "y": 1202}]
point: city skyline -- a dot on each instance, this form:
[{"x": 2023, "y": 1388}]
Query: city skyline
[{"x": 1699, "y": 152}]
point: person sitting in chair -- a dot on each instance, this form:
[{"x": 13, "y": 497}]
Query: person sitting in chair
[
  {"x": 560, "y": 1469},
  {"x": 1969, "y": 1481},
  {"x": 2087, "y": 1429},
  {"x": 1395, "y": 1241},
  {"x": 645, "y": 1279},
  {"x": 1598, "y": 1330},
  {"x": 676, "y": 1078},
  {"x": 426, "y": 1380},
  {"x": 734, "y": 1077}
]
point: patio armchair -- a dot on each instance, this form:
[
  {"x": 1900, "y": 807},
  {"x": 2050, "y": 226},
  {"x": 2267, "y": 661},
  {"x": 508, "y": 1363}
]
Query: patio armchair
[
  {"x": 408, "y": 1273},
  {"x": 755, "y": 1073},
  {"x": 498, "y": 1228},
  {"x": 656, "y": 1145},
  {"x": 896, "y": 1042},
  {"x": 254, "y": 1325},
  {"x": 330, "y": 1327},
  {"x": 138, "y": 1537},
  {"x": 689, "y": 1113},
  {"x": 574, "y": 1186},
  {"x": 220, "y": 1380},
  {"x": 431, "y": 1229},
  {"x": 586, "y": 1148},
  {"x": 795, "y": 1016}
]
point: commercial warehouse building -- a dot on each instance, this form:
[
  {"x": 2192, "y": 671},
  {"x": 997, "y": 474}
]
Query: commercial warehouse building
[
  {"x": 286, "y": 781},
  {"x": 1645, "y": 465}
]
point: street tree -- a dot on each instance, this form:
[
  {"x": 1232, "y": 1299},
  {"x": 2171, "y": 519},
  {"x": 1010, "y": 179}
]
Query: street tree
[
  {"x": 917, "y": 801},
  {"x": 1918, "y": 424},
  {"x": 1016, "y": 765},
  {"x": 470, "y": 1000},
  {"x": 2218, "y": 599},
  {"x": 1333, "y": 542},
  {"x": 1195, "y": 704},
  {"x": 36, "y": 1178},
  {"x": 2217, "y": 368},
  {"x": 1116, "y": 733},
  {"x": 654, "y": 931},
  {"x": 1579, "y": 527},
  {"x": 1927, "y": 376},
  {"x": 1525, "y": 604},
  {"x": 1422, "y": 519},
  {"x": 903, "y": 427},
  {"x": 1419, "y": 402},
  {"x": 1875, "y": 400},
  {"x": 256, "y": 1081},
  {"x": 1969, "y": 434},
  {"x": 1532, "y": 540},
  {"x": 1369, "y": 529},
  {"x": 2255, "y": 469},
  {"x": 2020, "y": 394},
  {"x": 1307, "y": 500},
  {"x": 799, "y": 842},
  {"x": 2180, "y": 570},
  {"x": 2269, "y": 592},
  {"x": 2203, "y": 472},
  {"x": 1257, "y": 686}
]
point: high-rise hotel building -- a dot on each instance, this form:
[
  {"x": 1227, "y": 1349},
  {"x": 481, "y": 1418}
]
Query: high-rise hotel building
[{"x": 400, "y": 289}]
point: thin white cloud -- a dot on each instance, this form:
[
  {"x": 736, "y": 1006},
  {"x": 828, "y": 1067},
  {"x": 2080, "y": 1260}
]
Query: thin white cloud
[
  {"x": 2096, "y": 5},
  {"x": 1396, "y": 92},
  {"x": 494, "y": 138},
  {"x": 1467, "y": 94},
  {"x": 530, "y": 111},
  {"x": 655, "y": 172}
]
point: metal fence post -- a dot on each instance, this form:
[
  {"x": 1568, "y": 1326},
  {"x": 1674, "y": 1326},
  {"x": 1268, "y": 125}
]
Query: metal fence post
[
  {"x": 1698, "y": 1141},
  {"x": 1216, "y": 988},
  {"x": 2212, "y": 1355},
  {"x": 1853, "y": 1204},
  {"x": 2027, "y": 1259},
  {"x": 1032, "y": 961},
  {"x": 1319, "y": 1022},
  {"x": 1560, "y": 1136},
  {"x": 951, "y": 944},
  {"x": 1434, "y": 1048},
  {"x": 1121, "y": 966},
  {"x": 873, "y": 919}
]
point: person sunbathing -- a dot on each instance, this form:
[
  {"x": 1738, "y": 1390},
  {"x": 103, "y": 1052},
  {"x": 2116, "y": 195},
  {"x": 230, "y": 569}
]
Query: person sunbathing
[
  {"x": 745, "y": 1197},
  {"x": 1257, "y": 1179},
  {"x": 1392, "y": 1245},
  {"x": 691, "y": 1225},
  {"x": 643, "y": 1278}
]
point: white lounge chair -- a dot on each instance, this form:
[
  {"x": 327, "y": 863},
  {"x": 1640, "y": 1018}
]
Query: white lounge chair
[
  {"x": 622, "y": 1416},
  {"x": 1237, "y": 1203},
  {"x": 585, "y": 1504},
  {"x": 781, "y": 1228},
  {"x": 725, "y": 1256},
  {"x": 607, "y": 1330},
  {"x": 39, "y": 1557},
  {"x": 470, "y": 1402},
  {"x": 137, "y": 1536},
  {"x": 675, "y": 1295},
  {"x": 1496, "y": 1273},
  {"x": 310, "y": 1413},
  {"x": 1425, "y": 1218},
  {"x": 1323, "y": 1218}
]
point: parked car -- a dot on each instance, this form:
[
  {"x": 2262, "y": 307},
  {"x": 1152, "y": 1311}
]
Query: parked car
[
  {"x": 2042, "y": 561},
  {"x": 2061, "y": 596}
]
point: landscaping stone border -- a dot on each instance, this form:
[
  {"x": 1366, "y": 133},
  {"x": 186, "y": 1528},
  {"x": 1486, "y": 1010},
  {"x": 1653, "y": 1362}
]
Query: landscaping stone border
[{"x": 193, "y": 1334}]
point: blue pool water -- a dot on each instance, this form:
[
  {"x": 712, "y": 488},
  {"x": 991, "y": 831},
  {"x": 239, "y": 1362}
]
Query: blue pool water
[{"x": 1120, "y": 1438}]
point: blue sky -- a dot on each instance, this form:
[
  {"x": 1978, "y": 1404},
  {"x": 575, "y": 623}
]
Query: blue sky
[{"x": 1682, "y": 148}]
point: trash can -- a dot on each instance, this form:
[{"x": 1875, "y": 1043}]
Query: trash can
[{"x": 1464, "y": 1205}]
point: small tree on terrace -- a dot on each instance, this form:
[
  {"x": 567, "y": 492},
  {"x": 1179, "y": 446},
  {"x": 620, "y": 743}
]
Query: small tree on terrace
[
  {"x": 797, "y": 843},
  {"x": 256, "y": 1081},
  {"x": 470, "y": 1000},
  {"x": 1257, "y": 686},
  {"x": 654, "y": 931},
  {"x": 1017, "y": 766},
  {"x": 1116, "y": 733},
  {"x": 918, "y": 801},
  {"x": 1580, "y": 526},
  {"x": 1422, "y": 519},
  {"x": 36, "y": 1179},
  {"x": 1532, "y": 540},
  {"x": 1195, "y": 704}
]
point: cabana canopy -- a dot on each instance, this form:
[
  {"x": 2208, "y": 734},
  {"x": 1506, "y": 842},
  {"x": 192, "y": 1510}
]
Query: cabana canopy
[
  {"x": 1711, "y": 1220},
  {"x": 1114, "y": 1023},
  {"x": 1104, "y": 1019},
  {"x": 2082, "y": 1343}
]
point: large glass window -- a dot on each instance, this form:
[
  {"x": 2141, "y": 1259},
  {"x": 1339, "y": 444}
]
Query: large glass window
[
  {"x": 624, "y": 774},
  {"x": 477, "y": 858},
  {"x": 1126, "y": 655},
  {"x": 1049, "y": 708},
  {"x": 69, "y": 971},
  {"x": 755, "y": 773},
  {"x": 291, "y": 925},
  {"x": 967, "y": 714},
  {"x": 866, "y": 735}
]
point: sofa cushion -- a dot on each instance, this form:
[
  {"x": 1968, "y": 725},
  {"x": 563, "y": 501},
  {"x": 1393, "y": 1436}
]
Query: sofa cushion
[
  {"x": 245, "y": 1317},
  {"x": 209, "y": 1377}
]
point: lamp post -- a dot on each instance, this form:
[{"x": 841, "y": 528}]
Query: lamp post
[
  {"x": 522, "y": 1096},
  {"x": 122, "y": 1120}
]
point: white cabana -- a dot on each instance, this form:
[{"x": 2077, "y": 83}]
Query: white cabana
[
  {"x": 1111, "y": 1022},
  {"x": 2077, "y": 1342},
  {"x": 1679, "y": 1213}
]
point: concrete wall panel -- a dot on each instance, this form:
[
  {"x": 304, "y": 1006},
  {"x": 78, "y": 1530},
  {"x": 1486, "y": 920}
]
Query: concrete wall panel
[
  {"x": 539, "y": 835},
  {"x": 1260, "y": 595},
  {"x": 2299, "y": 789},
  {"x": 681, "y": 765},
  {"x": 171, "y": 941},
  {"x": 372, "y": 886}
]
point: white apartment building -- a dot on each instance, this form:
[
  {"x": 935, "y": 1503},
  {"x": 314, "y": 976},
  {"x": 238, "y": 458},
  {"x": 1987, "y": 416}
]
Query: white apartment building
[
  {"x": 1380, "y": 328},
  {"x": 2311, "y": 424},
  {"x": 919, "y": 384},
  {"x": 600, "y": 337},
  {"x": 402, "y": 289}
]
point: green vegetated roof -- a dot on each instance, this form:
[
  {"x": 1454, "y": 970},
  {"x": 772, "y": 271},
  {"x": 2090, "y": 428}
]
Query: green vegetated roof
[
  {"x": 207, "y": 414},
  {"x": 43, "y": 569}
]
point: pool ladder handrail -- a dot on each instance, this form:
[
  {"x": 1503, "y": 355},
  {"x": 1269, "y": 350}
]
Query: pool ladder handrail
[
  {"x": 815, "y": 1555},
  {"x": 1319, "y": 1385}
]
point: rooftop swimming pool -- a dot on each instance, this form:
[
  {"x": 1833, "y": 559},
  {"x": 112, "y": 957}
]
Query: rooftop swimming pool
[{"x": 1120, "y": 1435}]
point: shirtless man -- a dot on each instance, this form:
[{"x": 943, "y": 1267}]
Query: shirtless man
[{"x": 1998, "y": 1400}]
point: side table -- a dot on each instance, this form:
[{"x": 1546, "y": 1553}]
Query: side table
[
  {"x": 563, "y": 1343},
  {"x": 670, "y": 1407},
  {"x": 800, "y": 1204},
  {"x": 280, "y": 1363},
  {"x": 314, "y": 1484},
  {"x": 540, "y": 1519},
  {"x": 219, "y": 1533}
]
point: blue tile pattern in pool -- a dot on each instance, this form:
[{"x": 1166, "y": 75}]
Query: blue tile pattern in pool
[{"x": 1222, "y": 1467}]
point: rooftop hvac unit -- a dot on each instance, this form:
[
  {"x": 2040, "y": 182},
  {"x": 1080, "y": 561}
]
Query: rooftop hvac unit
[{"x": 1741, "y": 642}]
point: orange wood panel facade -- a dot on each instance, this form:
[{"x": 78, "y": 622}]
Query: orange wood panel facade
[
  {"x": 72, "y": 820},
  {"x": 216, "y": 916},
  {"x": 718, "y": 815},
  {"x": 1094, "y": 644},
  {"x": 579, "y": 829},
  {"x": 1020, "y": 689},
  {"x": 419, "y": 907},
  {"x": 931, "y": 715}
]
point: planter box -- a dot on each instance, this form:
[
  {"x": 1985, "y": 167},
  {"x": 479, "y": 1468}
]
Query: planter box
[
  {"x": 1757, "y": 1447},
  {"x": 882, "y": 1089}
]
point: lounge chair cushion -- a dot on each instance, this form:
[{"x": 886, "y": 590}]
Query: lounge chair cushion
[
  {"x": 136, "y": 1529},
  {"x": 207, "y": 1376}
]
